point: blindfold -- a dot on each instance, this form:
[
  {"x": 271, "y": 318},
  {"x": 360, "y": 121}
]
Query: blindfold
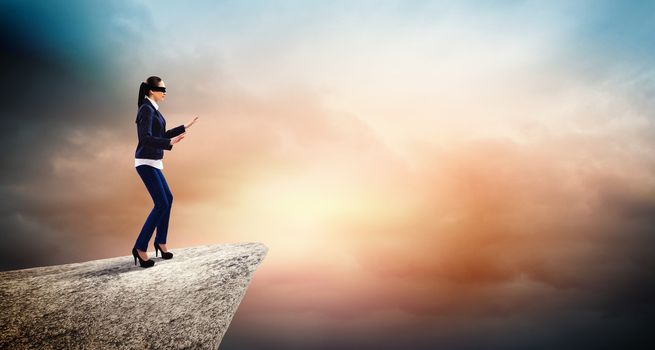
[
  {"x": 157, "y": 88},
  {"x": 153, "y": 88}
]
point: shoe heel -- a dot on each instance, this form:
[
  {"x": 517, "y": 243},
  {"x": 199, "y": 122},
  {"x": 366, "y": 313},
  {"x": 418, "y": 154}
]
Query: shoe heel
[
  {"x": 143, "y": 263},
  {"x": 164, "y": 255}
]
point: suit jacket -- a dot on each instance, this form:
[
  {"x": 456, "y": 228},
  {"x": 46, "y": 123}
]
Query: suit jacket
[{"x": 152, "y": 133}]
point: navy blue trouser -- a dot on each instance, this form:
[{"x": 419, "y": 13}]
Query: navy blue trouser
[{"x": 161, "y": 195}]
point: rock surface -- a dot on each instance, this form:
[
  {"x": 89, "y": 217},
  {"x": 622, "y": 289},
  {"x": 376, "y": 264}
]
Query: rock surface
[{"x": 183, "y": 303}]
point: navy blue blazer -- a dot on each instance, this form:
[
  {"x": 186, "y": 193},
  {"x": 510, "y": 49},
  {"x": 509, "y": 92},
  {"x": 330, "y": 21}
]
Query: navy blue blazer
[{"x": 152, "y": 133}]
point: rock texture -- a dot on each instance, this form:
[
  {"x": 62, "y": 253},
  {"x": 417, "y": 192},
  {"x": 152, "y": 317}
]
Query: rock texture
[{"x": 183, "y": 303}]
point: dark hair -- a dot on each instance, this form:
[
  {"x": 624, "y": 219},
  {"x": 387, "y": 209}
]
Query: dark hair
[{"x": 143, "y": 89}]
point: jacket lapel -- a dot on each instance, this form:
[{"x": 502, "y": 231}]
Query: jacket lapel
[{"x": 156, "y": 111}]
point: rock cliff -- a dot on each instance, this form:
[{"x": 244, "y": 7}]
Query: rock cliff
[{"x": 183, "y": 303}]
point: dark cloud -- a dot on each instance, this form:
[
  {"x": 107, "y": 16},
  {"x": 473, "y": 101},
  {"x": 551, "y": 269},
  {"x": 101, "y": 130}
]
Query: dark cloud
[
  {"x": 58, "y": 75},
  {"x": 58, "y": 78}
]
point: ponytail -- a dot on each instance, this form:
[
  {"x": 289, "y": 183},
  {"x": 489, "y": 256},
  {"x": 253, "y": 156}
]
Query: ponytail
[{"x": 143, "y": 91}]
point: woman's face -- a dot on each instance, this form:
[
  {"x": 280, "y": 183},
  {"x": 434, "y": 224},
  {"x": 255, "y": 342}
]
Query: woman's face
[{"x": 158, "y": 96}]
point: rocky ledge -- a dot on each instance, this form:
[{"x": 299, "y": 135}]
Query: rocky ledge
[{"x": 183, "y": 303}]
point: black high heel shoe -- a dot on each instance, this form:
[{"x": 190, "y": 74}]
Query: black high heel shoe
[
  {"x": 143, "y": 263},
  {"x": 164, "y": 255}
]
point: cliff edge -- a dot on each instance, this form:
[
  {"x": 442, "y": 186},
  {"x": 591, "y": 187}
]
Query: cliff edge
[{"x": 183, "y": 303}]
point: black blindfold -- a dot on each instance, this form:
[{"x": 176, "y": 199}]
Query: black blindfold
[
  {"x": 157, "y": 88},
  {"x": 145, "y": 85}
]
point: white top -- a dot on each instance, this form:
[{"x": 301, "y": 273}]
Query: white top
[{"x": 157, "y": 163}]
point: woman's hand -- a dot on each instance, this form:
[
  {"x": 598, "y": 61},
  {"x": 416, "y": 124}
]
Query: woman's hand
[
  {"x": 190, "y": 123},
  {"x": 177, "y": 138}
]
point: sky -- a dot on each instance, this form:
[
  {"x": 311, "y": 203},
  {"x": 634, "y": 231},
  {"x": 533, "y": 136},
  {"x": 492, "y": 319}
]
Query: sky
[{"x": 425, "y": 174}]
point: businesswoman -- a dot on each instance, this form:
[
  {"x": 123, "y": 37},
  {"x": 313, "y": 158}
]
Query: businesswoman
[{"x": 153, "y": 140}]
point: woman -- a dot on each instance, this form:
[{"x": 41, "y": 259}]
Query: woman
[{"x": 153, "y": 140}]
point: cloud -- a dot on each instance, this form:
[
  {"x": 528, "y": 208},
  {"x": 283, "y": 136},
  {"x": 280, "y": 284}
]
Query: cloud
[{"x": 453, "y": 172}]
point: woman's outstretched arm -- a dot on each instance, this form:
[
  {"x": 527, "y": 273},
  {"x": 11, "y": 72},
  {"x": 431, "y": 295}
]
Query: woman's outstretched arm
[{"x": 175, "y": 131}]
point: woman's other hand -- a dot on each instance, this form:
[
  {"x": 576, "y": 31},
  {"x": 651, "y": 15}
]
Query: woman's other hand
[{"x": 177, "y": 138}]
